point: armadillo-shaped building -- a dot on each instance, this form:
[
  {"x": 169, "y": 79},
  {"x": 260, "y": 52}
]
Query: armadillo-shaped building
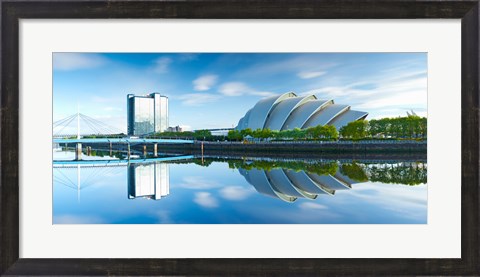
[{"x": 289, "y": 111}]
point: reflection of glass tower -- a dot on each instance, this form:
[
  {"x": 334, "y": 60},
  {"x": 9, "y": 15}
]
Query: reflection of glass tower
[
  {"x": 148, "y": 180},
  {"x": 147, "y": 114},
  {"x": 289, "y": 185}
]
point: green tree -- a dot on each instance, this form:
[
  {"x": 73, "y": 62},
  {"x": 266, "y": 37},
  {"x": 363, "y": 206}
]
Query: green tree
[
  {"x": 266, "y": 133},
  {"x": 355, "y": 129},
  {"x": 246, "y": 132},
  {"x": 354, "y": 171},
  {"x": 234, "y": 135},
  {"x": 312, "y": 133},
  {"x": 202, "y": 134},
  {"x": 328, "y": 132}
]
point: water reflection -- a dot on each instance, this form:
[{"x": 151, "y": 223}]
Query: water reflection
[
  {"x": 289, "y": 185},
  {"x": 286, "y": 180},
  {"x": 148, "y": 180},
  {"x": 238, "y": 190},
  {"x": 289, "y": 180}
]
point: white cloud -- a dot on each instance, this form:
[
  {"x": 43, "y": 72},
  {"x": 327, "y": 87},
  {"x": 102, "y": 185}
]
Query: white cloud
[
  {"x": 263, "y": 93},
  {"x": 312, "y": 205},
  {"x": 186, "y": 57},
  {"x": 198, "y": 99},
  {"x": 114, "y": 123},
  {"x": 204, "y": 82},
  {"x": 164, "y": 217},
  {"x": 380, "y": 95},
  {"x": 234, "y": 89},
  {"x": 406, "y": 99},
  {"x": 405, "y": 200},
  {"x": 198, "y": 182},
  {"x": 205, "y": 199},
  {"x": 235, "y": 193},
  {"x": 311, "y": 74},
  {"x": 73, "y": 61},
  {"x": 239, "y": 88},
  {"x": 162, "y": 64},
  {"x": 294, "y": 64}
]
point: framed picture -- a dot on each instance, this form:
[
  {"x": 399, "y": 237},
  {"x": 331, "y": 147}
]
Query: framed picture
[{"x": 239, "y": 138}]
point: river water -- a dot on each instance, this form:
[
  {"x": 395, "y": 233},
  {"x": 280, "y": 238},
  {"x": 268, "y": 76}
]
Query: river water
[{"x": 237, "y": 190}]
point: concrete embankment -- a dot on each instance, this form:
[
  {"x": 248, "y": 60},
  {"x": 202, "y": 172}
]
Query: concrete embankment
[
  {"x": 352, "y": 150},
  {"x": 300, "y": 149},
  {"x": 336, "y": 147},
  {"x": 288, "y": 147},
  {"x": 372, "y": 148}
]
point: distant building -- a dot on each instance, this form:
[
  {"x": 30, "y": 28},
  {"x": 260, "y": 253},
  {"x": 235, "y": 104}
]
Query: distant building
[
  {"x": 175, "y": 129},
  {"x": 146, "y": 114}
]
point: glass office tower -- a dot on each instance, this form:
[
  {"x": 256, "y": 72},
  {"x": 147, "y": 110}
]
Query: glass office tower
[{"x": 147, "y": 114}]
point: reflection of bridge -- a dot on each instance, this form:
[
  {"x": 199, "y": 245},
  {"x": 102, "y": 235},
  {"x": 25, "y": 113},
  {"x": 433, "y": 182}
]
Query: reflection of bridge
[
  {"x": 146, "y": 178},
  {"x": 70, "y": 163}
]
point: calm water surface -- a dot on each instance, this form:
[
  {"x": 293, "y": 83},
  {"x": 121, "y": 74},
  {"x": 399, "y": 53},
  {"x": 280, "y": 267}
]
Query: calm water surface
[{"x": 238, "y": 190}]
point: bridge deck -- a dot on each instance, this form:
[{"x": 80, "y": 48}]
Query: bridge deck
[{"x": 120, "y": 140}]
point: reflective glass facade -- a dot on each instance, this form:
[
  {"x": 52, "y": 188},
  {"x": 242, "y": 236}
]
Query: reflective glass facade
[
  {"x": 147, "y": 114},
  {"x": 148, "y": 181}
]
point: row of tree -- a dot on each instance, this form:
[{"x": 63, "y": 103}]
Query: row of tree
[
  {"x": 410, "y": 127},
  {"x": 319, "y": 132},
  {"x": 402, "y": 173},
  {"x": 408, "y": 173},
  {"x": 198, "y": 135},
  {"x": 320, "y": 168}
]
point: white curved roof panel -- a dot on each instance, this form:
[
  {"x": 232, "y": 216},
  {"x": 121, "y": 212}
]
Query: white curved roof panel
[
  {"x": 260, "y": 112},
  {"x": 281, "y": 183},
  {"x": 324, "y": 116},
  {"x": 258, "y": 178},
  {"x": 282, "y": 111},
  {"x": 299, "y": 116},
  {"x": 328, "y": 181},
  {"x": 347, "y": 117},
  {"x": 302, "y": 181}
]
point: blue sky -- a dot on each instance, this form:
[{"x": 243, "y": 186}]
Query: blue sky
[{"x": 211, "y": 90}]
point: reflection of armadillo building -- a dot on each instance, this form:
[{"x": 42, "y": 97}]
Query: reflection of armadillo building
[
  {"x": 289, "y": 111},
  {"x": 148, "y": 180},
  {"x": 289, "y": 185}
]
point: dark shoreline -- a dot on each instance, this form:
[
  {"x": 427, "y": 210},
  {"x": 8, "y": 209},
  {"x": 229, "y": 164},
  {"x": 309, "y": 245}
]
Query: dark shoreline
[{"x": 407, "y": 151}]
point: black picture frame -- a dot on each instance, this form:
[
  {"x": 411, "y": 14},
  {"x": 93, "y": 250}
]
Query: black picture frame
[{"x": 12, "y": 11}]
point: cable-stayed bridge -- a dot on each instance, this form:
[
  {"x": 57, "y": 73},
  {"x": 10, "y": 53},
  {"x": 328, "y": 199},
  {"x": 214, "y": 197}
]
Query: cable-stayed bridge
[
  {"x": 80, "y": 125},
  {"x": 79, "y": 128}
]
